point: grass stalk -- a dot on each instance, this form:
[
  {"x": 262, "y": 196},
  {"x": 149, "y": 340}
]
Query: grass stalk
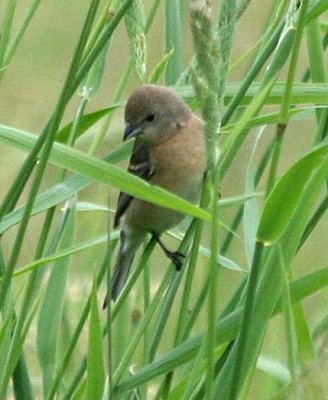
[
  {"x": 174, "y": 40},
  {"x": 169, "y": 298},
  {"x": 286, "y": 100},
  {"x": 243, "y": 336},
  {"x": 293, "y": 355},
  {"x": 14, "y": 43},
  {"x": 6, "y": 29},
  {"x": 49, "y": 135}
]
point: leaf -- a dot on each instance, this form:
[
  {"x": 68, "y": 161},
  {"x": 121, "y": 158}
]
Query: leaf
[
  {"x": 63, "y": 190},
  {"x": 316, "y": 10},
  {"x": 274, "y": 368},
  {"x": 285, "y": 196},
  {"x": 64, "y": 253},
  {"x": 92, "y": 82},
  {"x": 51, "y": 312},
  {"x": 160, "y": 67},
  {"x": 226, "y": 329},
  {"x": 269, "y": 289},
  {"x": 87, "y": 121},
  {"x": 302, "y": 93},
  {"x": 83, "y": 206},
  {"x": 223, "y": 261},
  {"x": 251, "y": 208},
  {"x": 232, "y": 201},
  {"x": 238, "y": 133},
  {"x": 72, "y": 159},
  {"x": 17, "y": 350},
  {"x": 297, "y": 114},
  {"x": 95, "y": 360}
]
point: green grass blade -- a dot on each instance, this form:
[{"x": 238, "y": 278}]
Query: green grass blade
[
  {"x": 269, "y": 288},
  {"x": 251, "y": 208},
  {"x": 14, "y": 43},
  {"x": 292, "y": 344},
  {"x": 238, "y": 134},
  {"x": 63, "y": 190},
  {"x": 174, "y": 40},
  {"x": 21, "y": 382},
  {"x": 86, "y": 122},
  {"x": 302, "y": 93},
  {"x": 6, "y": 28},
  {"x": 316, "y": 9},
  {"x": 64, "y": 253},
  {"x": 95, "y": 362},
  {"x": 65, "y": 361},
  {"x": 15, "y": 353},
  {"x": 227, "y": 328},
  {"x": 237, "y": 98},
  {"x": 282, "y": 202},
  {"x": 66, "y": 157},
  {"x": 51, "y": 312}
]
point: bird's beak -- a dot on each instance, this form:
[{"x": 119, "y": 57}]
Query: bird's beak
[{"x": 131, "y": 131}]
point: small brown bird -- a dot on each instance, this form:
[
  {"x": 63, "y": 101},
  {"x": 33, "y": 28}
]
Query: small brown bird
[{"x": 169, "y": 151}]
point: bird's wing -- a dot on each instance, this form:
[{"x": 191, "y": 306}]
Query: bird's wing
[{"x": 140, "y": 165}]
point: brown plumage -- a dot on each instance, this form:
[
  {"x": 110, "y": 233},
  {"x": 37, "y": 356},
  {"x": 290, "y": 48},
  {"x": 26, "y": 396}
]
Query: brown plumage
[{"x": 169, "y": 152}]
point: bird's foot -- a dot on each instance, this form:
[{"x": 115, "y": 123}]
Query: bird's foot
[{"x": 176, "y": 257}]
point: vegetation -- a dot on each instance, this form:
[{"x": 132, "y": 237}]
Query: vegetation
[{"x": 233, "y": 324}]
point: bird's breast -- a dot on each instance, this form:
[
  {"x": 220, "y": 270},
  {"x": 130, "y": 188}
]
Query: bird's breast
[
  {"x": 179, "y": 164},
  {"x": 182, "y": 156}
]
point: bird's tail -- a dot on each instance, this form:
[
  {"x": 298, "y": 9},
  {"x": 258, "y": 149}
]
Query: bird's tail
[
  {"x": 122, "y": 266},
  {"x": 121, "y": 270}
]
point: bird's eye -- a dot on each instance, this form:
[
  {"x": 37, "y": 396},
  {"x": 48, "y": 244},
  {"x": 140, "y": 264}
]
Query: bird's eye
[{"x": 150, "y": 118}]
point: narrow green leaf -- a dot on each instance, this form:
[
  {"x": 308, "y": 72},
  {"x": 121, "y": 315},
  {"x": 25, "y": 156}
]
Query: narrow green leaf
[
  {"x": 296, "y": 114},
  {"x": 21, "y": 381},
  {"x": 174, "y": 40},
  {"x": 251, "y": 208},
  {"x": 290, "y": 328},
  {"x": 237, "y": 200},
  {"x": 269, "y": 286},
  {"x": 51, "y": 312},
  {"x": 16, "y": 39},
  {"x": 302, "y": 93},
  {"x": 92, "y": 82},
  {"x": 83, "y": 206},
  {"x": 226, "y": 329},
  {"x": 95, "y": 361},
  {"x": 318, "y": 8},
  {"x": 160, "y": 67},
  {"x": 66, "y": 157},
  {"x": 6, "y": 28},
  {"x": 285, "y": 196},
  {"x": 63, "y": 190},
  {"x": 223, "y": 261},
  {"x": 280, "y": 55},
  {"x": 238, "y": 134},
  {"x": 275, "y": 368},
  {"x": 5, "y": 328},
  {"x": 16, "y": 353},
  {"x": 64, "y": 253},
  {"x": 87, "y": 121}
]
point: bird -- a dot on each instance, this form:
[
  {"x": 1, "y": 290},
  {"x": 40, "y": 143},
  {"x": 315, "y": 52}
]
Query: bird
[{"x": 169, "y": 151}]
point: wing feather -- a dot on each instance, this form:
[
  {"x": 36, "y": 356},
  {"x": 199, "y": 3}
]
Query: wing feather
[{"x": 140, "y": 165}]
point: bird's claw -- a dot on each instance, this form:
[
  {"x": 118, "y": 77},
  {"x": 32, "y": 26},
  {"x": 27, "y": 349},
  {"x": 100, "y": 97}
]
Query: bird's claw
[{"x": 177, "y": 258}]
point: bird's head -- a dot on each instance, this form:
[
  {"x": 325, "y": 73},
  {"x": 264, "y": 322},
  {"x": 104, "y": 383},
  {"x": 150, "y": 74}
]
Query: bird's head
[{"x": 154, "y": 113}]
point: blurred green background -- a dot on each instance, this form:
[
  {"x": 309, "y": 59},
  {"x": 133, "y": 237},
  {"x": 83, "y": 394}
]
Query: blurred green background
[{"x": 30, "y": 89}]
